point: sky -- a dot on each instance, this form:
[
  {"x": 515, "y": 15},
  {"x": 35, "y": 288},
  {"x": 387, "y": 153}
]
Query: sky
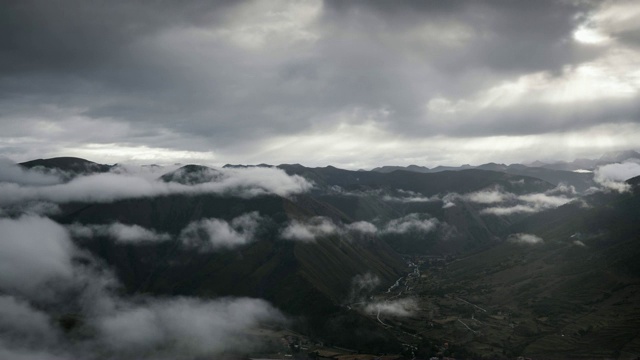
[{"x": 355, "y": 84}]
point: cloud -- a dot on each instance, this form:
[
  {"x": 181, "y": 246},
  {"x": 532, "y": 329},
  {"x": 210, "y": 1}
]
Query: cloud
[
  {"x": 20, "y": 321},
  {"x": 488, "y": 196},
  {"x": 613, "y": 176},
  {"x": 249, "y": 182},
  {"x": 400, "y": 308},
  {"x": 411, "y": 222},
  {"x": 213, "y": 234},
  {"x": 407, "y": 196},
  {"x": 563, "y": 188},
  {"x": 309, "y": 230},
  {"x": 118, "y": 231},
  {"x": 10, "y": 172},
  {"x": 543, "y": 200},
  {"x": 517, "y": 204},
  {"x": 509, "y": 210},
  {"x": 363, "y": 227},
  {"x": 11, "y": 351},
  {"x": 184, "y": 327},
  {"x": 522, "y": 238},
  {"x": 34, "y": 251}
]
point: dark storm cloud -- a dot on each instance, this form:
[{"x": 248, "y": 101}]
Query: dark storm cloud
[
  {"x": 76, "y": 35},
  {"x": 39, "y": 281},
  {"x": 225, "y": 75},
  {"x": 506, "y": 36}
]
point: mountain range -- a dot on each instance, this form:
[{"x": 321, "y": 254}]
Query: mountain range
[{"x": 556, "y": 246}]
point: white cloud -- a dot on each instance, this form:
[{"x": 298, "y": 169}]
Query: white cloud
[
  {"x": 310, "y": 229},
  {"x": 522, "y": 238},
  {"x": 184, "y": 326},
  {"x": 613, "y": 176},
  {"x": 544, "y": 201},
  {"x": 528, "y": 203},
  {"x": 411, "y": 222},
  {"x": 211, "y": 234},
  {"x": 108, "y": 187},
  {"x": 363, "y": 227},
  {"x": 12, "y": 173},
  {"x": 509, "y": 210},
  {"x": 10, "y": 351},
  {"x": 488, "y": 196},
  {"x": 407, "y": 196},
  {"x": 33, "y": 251},
  {"x": 118, "y": 231},
  {"x": 19, "y": 320},
  {"x": 400, "y": 307}
]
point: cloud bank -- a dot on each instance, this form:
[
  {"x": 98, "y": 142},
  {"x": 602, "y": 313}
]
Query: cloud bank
[
  {"x": 522, "y": 238},
  {"x": 399, "y": 308},
  {"x": 212, "y": 234},
  {"x": 41, "y": 283},
  {"x": 108, "y": 187},
  {"x": 613, "y": 176},
  {"x": 119, "y": 232},
  {"x": 10, "y": 172},
  {"x": 411, "y": 223},
  {"x": 34, "y": 251}
]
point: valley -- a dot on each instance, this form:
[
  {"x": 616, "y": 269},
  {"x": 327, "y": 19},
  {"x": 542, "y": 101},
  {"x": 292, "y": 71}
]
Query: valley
[{"x": 297, "y": 262}]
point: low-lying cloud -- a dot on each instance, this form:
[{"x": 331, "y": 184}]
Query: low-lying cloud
[
  {"x": 212, "y": 234},
  {"x": 317, "y": 227},
  {"x": 522, "y": 238},
  {"x": 407, "y": 196},
  {"x": 613, "y": 176},
  {"x": 11, "y": 172},
  {"x": 36, "y": 252},
  {"x": 109, "y": 187},
  {"x": 489, "y": 196},
  {"x": 310, "y": 229},
  {"x": 363, "y": 227},
  {"x": 399, "y": 308},
  {"x": 119, "y": 232},
  {"x": 184, "y": 327},
  {"x": 504, "y": 203},
  {"x": 411, "y": 223}
]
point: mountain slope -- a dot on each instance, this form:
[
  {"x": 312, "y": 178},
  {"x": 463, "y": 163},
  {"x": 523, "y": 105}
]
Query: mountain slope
[{"x": 573, "y": 292}]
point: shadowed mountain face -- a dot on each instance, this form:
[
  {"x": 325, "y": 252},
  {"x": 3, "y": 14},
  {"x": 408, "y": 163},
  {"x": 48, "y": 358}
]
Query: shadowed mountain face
[
  {"x": 569, "y": 277},
  {"x": 210, "y": 233},
  {"x": 357, "y": 228},
  {"x": 577, "y": 173},
  {"x": 425, "y": 184}
]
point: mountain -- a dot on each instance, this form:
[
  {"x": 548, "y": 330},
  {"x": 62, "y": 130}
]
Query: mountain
[
  {"x": 591, "y": 164},
  {"x": 533, "y": 260},
  {"x": 67, "y": 166},
  {"x": 564, "y": 284},
  {"x": 546, "y": 172}
]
